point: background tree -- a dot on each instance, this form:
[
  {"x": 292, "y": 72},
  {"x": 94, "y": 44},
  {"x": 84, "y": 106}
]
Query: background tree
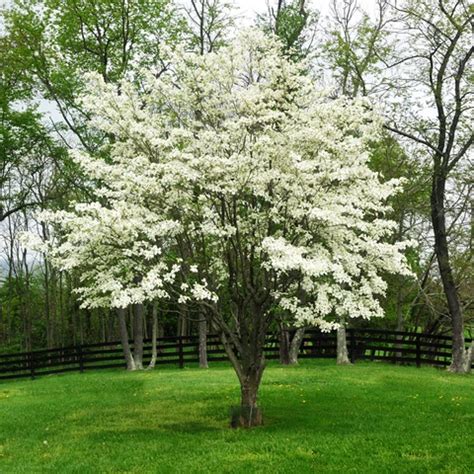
[
  {"x": 210, "y": 22},
  {"x": 294, "y": 22},
  {"x": 57, "y": 42},
  {"x": 439, "y": 33},
  {"x": 358, "y": 57}
]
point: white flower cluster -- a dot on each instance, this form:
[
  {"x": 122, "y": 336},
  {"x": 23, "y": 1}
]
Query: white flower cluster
[{"x": 262, "y": 179}]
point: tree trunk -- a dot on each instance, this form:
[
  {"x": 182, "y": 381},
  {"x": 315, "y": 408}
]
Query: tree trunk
[
  {"x": 203, "y": 343},
  {"x": 295, "y": 345},
  {"x": 249, "y": 364},
  {"x": 154, "y": 335},
  {"x": 53, "y": 306},
  {"x": 442, "y": 254},
  {"x": 182, "y": 321},
  {"x": 249, "y": 390},
  {"x": 121, "y": 312},
  {"x": 284, "y": 347},
  {"x": 400, "y": 321},
  {"x": 468, "y": 358},
  {"x": 27, "y": 304},
  {"x": 138, "y": 336},
  {"x": 342, "y": 354},
  {"x": 47, "y": 306},
  {"x": 249, "y": 414}
]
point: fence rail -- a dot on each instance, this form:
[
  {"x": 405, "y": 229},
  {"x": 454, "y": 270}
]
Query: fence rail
[{"x": 363, "y": 344}]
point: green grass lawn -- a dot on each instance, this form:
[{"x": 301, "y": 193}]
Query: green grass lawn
[{"x": 370, "y": 417}]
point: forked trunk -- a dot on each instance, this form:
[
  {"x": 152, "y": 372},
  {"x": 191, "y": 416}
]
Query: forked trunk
[
  {"x": 342, "y": 354},
  {"x": 138, "y": 336},
  {"x": 154, "y": 335},
  {"x": 121, "y": 312},
  {"x": 295, "y": 345},
  {"x": 203, "y": 343},
  {"x": 249, "y": 368}
]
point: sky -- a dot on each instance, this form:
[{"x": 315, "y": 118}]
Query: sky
[{"x": 250, "y": 7}]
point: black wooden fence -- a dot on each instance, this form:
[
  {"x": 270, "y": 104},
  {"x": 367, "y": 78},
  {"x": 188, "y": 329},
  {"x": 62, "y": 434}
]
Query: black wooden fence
[{"x": 363, "y": 344}]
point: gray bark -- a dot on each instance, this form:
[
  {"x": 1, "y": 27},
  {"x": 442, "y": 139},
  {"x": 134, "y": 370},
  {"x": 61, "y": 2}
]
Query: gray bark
[
  {"x": 295, "y": 345},
  {"x": 249, "y": 413},
  {"x": 203, "y": 343},
  {"x": 400, "y": 320},
  {"x": 468, "y": 358},
  {"x": 183, "y": 329},
  {"x": 154, "y": 335},
  {"x": 445, "y": 269},
  {"x": 138, "y": 336},
  {"x": 284, "y": 348},
  {"x": 342, "y": 353},
  {"x": 121, "y": 312}
]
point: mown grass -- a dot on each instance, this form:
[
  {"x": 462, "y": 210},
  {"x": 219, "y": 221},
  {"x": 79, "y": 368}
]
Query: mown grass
[{"x": 370, "y": 417}]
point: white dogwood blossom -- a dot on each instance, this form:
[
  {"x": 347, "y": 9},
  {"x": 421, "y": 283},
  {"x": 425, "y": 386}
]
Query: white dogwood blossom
[
  {"x": 259, "y": 182},
  {"x": 119, "y": 252}
]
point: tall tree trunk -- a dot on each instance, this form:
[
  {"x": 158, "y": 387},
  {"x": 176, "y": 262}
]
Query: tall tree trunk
[
  {"x": 10, "y": 284},
  {"x": 342, "y": 354},
  {"x": 62, "y": 311},
  {"x": 400, "y": 320},
  {"x": 27, "y": 303},
  {"x": 295, "y": 345},
  {"x": 81, "y": 326},
  {"x": 121, "y": 313},
  {"x": 154, "y": 335},
  {"x": 103, "y": 324},
  {"x": 203, "y": 364},
  {"x": 284, "y": 347},
  {"x": 71, "y": 310},
  {"x": 53, "y": 305},
  {"x": 138, "y": 335},
  {"x": 182, "y": 321},
  {"x": 442, "y": 254}
]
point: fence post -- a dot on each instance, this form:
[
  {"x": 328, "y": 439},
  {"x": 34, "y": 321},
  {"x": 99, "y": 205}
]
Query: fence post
[
  {"x": 80, "y": 358},
  {"x": 180, "y": 352},
  {"x": 418, "y": 352},
  {"x": 32, "y": 364},
  {"x": 352, "y": 345}
]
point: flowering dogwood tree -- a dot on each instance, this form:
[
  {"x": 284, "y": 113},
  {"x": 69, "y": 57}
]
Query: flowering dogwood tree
[{"x": 236, "y": 186}]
